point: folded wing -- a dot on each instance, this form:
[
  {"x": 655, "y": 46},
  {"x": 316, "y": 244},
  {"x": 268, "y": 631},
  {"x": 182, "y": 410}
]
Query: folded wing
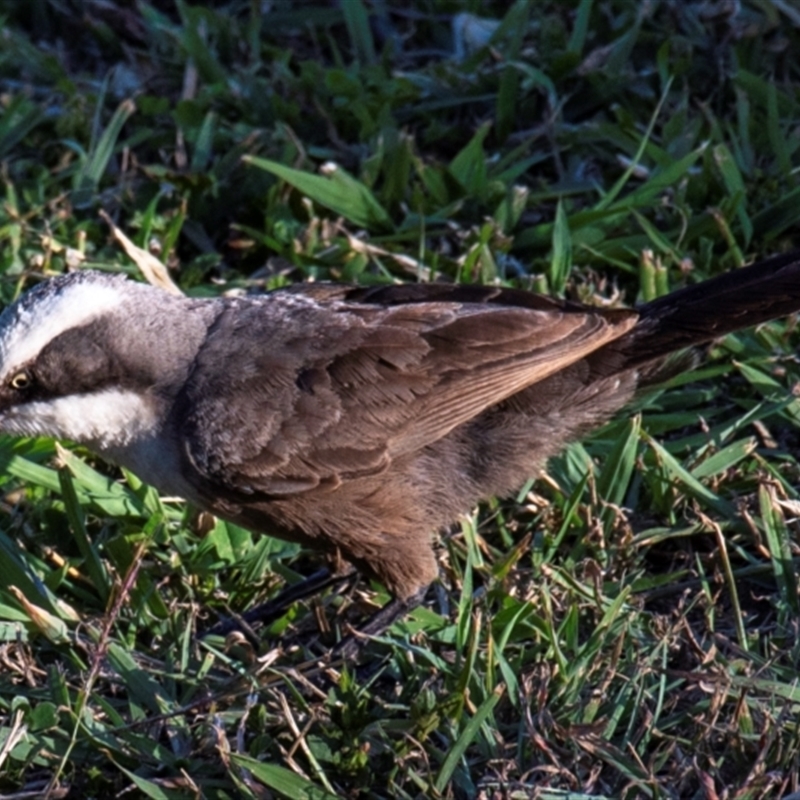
[{"x": 300, "y": 390}]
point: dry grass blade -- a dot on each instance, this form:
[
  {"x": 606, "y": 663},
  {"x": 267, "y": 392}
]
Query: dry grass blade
[{"x": 151, "y": 268}]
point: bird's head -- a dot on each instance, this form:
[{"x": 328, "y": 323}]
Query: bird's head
[{"x": 92, "y": 357}]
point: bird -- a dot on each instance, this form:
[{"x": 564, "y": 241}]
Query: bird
[{"x": 357, "y": 421}]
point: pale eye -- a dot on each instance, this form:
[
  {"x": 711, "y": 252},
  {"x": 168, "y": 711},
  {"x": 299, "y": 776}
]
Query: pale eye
[{"x": 22, "y": 380}]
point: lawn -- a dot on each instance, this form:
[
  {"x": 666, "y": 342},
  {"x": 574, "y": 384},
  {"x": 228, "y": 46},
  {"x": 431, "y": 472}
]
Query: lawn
[{"x": 627, "y": 626}]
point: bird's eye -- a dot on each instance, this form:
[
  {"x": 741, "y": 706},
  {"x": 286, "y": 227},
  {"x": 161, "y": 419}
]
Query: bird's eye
[{"x": 22, "y": 380}]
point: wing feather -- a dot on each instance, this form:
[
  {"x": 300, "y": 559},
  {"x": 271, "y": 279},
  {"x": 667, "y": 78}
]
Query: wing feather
[{"x": 296, "y": 391}]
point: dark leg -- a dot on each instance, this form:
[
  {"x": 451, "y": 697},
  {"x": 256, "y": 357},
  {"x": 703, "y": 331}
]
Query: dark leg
[
  {"x": 351, "y": 645},
  {"x": 272, "y": 609}
]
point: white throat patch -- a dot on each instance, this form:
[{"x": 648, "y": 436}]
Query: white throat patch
[
  {"x": 107, "y": 421},
  {"x": 120, "y": 425},
  {"x": 25, "y": 330}
]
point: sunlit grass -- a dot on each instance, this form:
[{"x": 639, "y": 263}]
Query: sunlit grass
[{"x": 627, "y": 626}]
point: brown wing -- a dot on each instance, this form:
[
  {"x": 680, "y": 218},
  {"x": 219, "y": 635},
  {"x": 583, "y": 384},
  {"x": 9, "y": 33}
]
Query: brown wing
[{"x": 299, "y": 390}]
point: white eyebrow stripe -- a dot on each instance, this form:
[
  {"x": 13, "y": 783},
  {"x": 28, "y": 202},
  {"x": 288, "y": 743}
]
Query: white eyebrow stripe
[{"x": 26, "y": 330}]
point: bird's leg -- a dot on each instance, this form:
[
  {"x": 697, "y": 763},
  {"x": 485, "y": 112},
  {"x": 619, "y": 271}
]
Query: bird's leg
[
  {"x": 272, "y": 609},
  {"x": 396, "y": 608}
]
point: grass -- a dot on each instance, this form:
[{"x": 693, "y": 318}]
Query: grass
[{"x": 627, "y": 627}]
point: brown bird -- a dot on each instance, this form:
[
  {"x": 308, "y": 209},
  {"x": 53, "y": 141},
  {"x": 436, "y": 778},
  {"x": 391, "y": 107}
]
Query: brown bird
[{"x": 356, "y": 421}]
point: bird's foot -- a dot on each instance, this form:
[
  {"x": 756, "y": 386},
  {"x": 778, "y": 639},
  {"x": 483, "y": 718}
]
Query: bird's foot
[
  {"x": 270, "y": 611},
  {"x": 378, "y": 623}
]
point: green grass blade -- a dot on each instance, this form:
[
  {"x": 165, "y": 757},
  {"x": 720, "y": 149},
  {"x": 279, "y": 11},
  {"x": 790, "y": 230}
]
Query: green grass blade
[
  {"x": 107, "y": 494},
  {"x": 561, "y": 259},
  {"x": 142, "y": 687},
  {"x": 14, "y": 572},
  {"x": 94, "y": 565},
  {"x": 612, "y": 483},
  {"x": 204, "y": 144},
  {"x": 18, "y": 119},
  {"x": 612, "y": 195},
  {"x": 288, "y": 784},
  {"x": 151, "y": 789},
  {"x": 88, "y": 177},
  {"x": 339, "y": 192},
  {"x": 28, "y": 471},
  {"x": 661, "y": 180},
  {"x": 469, "y": 165},
  {"x": 777, "y": 138},
  {"x": 725, "y": 459},
  {"x": 194, "y": 38},
  {"x": 684, "y": 478},
  {"x": 734, "y": 183},
  {"x": 357, "y": 20},
  {"x": 508, "y": 94},
  {"x": 780, "y": 548},
  {"x": 580, "y": 28},
  {"x": 466, "y": 738},
  {"x": 778, "y": 216}
]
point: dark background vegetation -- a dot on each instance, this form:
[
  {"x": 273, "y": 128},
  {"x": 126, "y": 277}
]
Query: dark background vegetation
[{"x": 627, "y": 627}]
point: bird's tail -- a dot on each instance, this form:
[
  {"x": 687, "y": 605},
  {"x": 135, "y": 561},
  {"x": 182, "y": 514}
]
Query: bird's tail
[{"x": 702, "y": 312}]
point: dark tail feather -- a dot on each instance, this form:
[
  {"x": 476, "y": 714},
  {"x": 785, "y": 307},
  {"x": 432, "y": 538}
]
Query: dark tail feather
[{"x": 696, "y": 314}]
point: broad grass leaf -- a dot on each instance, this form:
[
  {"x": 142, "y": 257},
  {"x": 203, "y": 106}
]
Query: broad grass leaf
[
  {"x": 338, "y": 191},
  {"x": 288, "y": 784}
]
